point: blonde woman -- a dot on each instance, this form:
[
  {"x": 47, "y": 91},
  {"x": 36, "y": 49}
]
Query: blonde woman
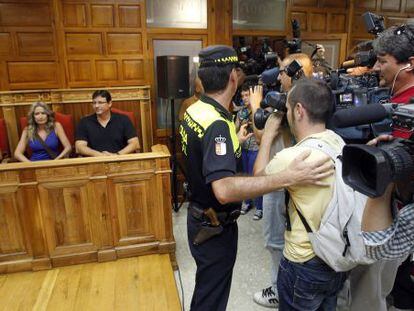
[{"x": 42, "y": 135}]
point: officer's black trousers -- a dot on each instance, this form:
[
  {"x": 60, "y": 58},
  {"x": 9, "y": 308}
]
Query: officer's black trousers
[{"x": 215, "y": 259}]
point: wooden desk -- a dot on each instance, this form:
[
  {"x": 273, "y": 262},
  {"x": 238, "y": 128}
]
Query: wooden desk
[{"x": 57, "y": 213}]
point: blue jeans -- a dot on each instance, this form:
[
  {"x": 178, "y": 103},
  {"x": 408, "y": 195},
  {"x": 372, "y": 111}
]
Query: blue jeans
[
  {"x": 248, "y": 159},
  {"x": 274, "y": 224},
  {"x": 308, "y": 286}
]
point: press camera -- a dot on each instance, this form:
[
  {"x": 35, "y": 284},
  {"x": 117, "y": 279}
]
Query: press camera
[{"x": 369, "y": 169}]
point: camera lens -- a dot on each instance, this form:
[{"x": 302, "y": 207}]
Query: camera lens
[{"x": 401, "y": 160}]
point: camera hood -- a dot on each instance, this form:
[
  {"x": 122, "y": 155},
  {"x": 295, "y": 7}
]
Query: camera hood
[{"x": 366, "y": 169}]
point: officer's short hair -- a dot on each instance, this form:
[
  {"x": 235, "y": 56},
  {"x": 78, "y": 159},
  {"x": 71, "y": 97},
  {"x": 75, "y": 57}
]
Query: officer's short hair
[
  {"x": 216, "y": 64},
  {"x": 397, "y": 41},
  {"x": 315, "y": 96}
]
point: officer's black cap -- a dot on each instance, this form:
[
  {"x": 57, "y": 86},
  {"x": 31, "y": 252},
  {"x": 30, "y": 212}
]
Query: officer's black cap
[{"x": 217, "y": 55}]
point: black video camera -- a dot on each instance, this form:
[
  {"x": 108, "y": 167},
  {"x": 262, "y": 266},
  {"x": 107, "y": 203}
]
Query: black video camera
[
  {"x": 295, "y": 44},
  {"x": 374, "y": 24},
  {"x": 369, "y": 169},
  {"x": 275, "y": 100},
  {"x": 255, "y": 62}
]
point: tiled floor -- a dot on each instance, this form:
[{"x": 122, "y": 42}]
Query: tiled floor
[
  {"x": 251, "y": 272},
  {"x": 252, "y": 269}
]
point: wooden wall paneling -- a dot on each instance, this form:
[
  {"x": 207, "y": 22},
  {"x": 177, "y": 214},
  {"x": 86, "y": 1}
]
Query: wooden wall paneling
[
  {"x": 102, "y": 15},
  {"x": 329, "y": 17},
  {"x": 26, "y": 74},
  {"x": 391, "y": 5},
  {"x": 367, "y": 5},
  {"x": 409, "y": 6},
  {"x": 115, "y": 55},
  {"x": 333, "y": 4},
  {"x": 337, "y": 23},
  {"x": 74, "y": 14},
  {"x": 6, "y": 47},
  {"x": 304, "y": 3},
  {"x": 395, "y": 20},
  {"x": 84, "y": 44},
  {"x": 318, "y": 22},
  {"x": 25, "y": 14},
  {"x": 32, "y": 43},
  {"x": 9, "y": 115},
  {"x": 124, "y": 43},
  {"x": 29, "y": 39},
  {"x": 59, "y": 42},
  {"x": 350, "y": 17},
  {"x": 130, "y": 16},
  {"x": 220, "y": 21}
]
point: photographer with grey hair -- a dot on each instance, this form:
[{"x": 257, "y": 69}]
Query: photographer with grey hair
[{"x": 388, "y": 230}]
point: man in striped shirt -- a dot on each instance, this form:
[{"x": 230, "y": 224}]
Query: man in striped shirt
[{"x": 388, "y": 231}]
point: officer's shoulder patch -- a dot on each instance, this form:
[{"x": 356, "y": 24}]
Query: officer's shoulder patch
[{"x": 221, "y": 148}]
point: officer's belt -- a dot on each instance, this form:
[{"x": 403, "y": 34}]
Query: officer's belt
[{"x": 225, "y": 218}]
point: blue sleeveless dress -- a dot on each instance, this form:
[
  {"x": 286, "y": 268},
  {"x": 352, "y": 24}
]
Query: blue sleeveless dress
[{"x": 38, "y": 151}]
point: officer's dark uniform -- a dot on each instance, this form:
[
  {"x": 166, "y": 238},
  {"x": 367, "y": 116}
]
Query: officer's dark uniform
[{"x": 212, "y": 152}]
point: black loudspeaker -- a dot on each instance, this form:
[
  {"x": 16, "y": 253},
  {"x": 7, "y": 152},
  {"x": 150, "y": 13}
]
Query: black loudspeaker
[{"x": 173, "y": 76}]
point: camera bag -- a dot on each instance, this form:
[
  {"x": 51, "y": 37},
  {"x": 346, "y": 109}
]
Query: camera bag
[{"x": 338, "y": 241}]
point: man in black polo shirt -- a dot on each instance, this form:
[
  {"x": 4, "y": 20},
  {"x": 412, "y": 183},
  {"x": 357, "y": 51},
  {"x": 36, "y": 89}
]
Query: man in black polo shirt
[
  {"x": 105, "y": 133},
  {"x": 211, "y": 149}
]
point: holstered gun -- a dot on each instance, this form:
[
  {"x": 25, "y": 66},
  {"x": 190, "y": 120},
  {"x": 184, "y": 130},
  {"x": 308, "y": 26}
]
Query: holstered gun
[
  {"x": 208, "y": 229},
  {"x": 212, "y": 215},
  {"x": 206, "y": 232}
]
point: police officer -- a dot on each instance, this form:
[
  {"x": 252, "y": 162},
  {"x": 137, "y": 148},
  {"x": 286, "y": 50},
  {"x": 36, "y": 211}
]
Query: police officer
[{"x": 211, "y": 149}]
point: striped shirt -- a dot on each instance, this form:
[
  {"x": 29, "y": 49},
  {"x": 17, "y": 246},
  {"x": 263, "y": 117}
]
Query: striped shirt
[{"x": 395, "y": 241}]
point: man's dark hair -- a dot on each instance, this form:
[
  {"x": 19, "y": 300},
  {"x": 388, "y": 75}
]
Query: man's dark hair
[
  {"x": 245, "y": 87},
  {"x": 215, "y": 78},
  {"x": 315, "y": 96},
  {"x": 397, "y": 41},
  {"x": 102, "y": 93}
]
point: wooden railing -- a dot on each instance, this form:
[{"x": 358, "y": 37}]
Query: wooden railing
[{"x": 56, "y": 213}]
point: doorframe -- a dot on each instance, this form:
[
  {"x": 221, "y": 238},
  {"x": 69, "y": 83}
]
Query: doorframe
[{"x": 151, "y": 37}]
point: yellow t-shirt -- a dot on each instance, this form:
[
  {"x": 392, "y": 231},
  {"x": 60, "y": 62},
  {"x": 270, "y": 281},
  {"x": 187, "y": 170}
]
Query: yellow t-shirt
[{"x": 310, "y": 200}]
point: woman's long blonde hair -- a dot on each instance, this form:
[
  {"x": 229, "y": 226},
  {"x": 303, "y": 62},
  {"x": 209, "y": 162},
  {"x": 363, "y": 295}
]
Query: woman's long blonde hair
[{"x": 31, "y": 123}]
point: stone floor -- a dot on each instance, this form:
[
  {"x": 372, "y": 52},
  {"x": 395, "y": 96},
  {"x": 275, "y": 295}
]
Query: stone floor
[{"x": 251, "y": 272}]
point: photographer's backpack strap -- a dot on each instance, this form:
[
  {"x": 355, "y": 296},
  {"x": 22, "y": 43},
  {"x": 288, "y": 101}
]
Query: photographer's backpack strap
[
  {"x": 320, "y": 145},
  {"x": 325, "y": 148}
]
